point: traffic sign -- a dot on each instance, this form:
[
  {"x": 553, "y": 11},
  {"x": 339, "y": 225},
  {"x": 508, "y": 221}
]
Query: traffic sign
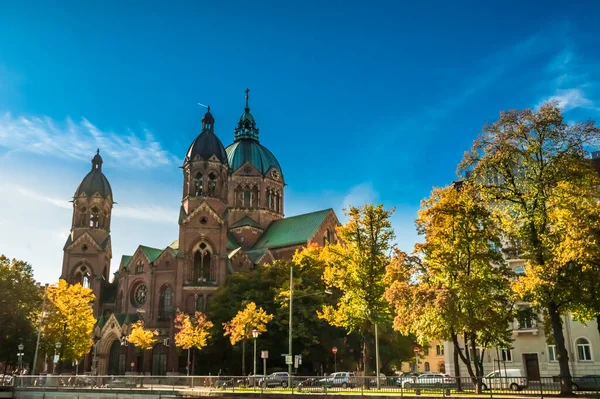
[
  {"x": 264, "y": 354},
  {"x": 56, "y": 357},
  {"x": 289, "y": 359},
  {"x": 334, "y": 350}
]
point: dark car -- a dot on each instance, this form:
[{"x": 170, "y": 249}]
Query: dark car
[
  {"x": 590, "y": 382},
  {"x": 279, "y": 379}
]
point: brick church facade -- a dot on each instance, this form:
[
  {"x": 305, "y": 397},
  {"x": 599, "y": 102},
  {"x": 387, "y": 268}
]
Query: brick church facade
[{"x": 231, "y": 220}]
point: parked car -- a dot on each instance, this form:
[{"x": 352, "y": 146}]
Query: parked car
[
  {"x": 279, "y": 379},
  {"x": 342, "y": 379},
  {"x": 505, "y": 379},
  {"x": 406, "y": 377},
  {"x": 382, "y": 380},
  {"x": 430, "y": 380},
  {"x": 590, "y": 382},
  {"x": 309, "y": 383}
]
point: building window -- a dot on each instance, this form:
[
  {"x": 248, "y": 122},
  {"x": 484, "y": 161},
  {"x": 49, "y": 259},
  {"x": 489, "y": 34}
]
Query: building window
[
  {"x": 520, "y": 270},
  {"x": 86, "y": 280},
  {"x": 200, "y": 303},
  {"x": 198, "y": 184},
  {"x": 95, "y": 217},
  {"x": 203, "y": 270},
  {"x": 427, "y": 366},
  {"x": 212, "y": 184},
  {"x": 246, "y": 199},
  {"x": 552, "y": 353},
  {"x": 159, "y": 360},
  {"x": 208, "y": 301},
  {"x": 139, "y": 268},
  {"x": 268, "y": 198},
  {"x": 439, "y": 350},
  {"x": 507, "y": 355},
  {"x": 426, "y": 351},
  {"x": 525, "y": 318},
  {"x": 165, "y": 302},
  {"x": 584, "y": 350}
]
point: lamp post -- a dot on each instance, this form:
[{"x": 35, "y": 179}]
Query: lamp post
[
  {"x": 254, "y": 335},
  {"x": 56, "y": 349},
  {"x": 20, "y": 355},
  {"x": 37, "y": 345},
  {"x": 290, "y": 328}
]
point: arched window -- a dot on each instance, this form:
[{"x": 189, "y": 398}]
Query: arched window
[
  {"x": 267, "y": 198},
  {"x": 246, "y": 199},
  {"x": 82, "y": 217},
  {"x": 255, "y": 202},
  {"x": 427, "y": 366},
  {"x": 278, "y": 202},
  {"x": 165, "y": 305},
  {"x": 95, "y": 217},
  {"x": 203, "y": 271},
  {"x": 272, "y": 203},
  {"x": 139, "y": 268},
  {"x": 212, "y": 184},
  {"x": 85, "y": 281},
  {"x": 198, "y": 185},
  {"x": 584, "y": 350}
]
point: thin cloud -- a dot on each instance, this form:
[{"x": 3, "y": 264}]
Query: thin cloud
[
  {"x": 25, "y": 192},
  {"x": 77, "y": 140},
  {"x": 571, "y": 99}
]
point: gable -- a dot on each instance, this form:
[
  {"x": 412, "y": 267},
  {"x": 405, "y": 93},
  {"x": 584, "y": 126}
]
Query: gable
[
  {"x": 85, "y": 238},
  {"x": 203, "y": 207},
  {"x": 295, "y": 230}
]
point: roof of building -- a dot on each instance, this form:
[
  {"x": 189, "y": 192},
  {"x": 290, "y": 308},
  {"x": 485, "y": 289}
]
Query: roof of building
[
  {"x": 251, "y": 151},
  {"x": 151, "y": 253},
  {"x": 125, "y": 259},
  {"x": 95, "y": 181},
  {"x": 245, "y": 221},
  {"x": 255, "y": 254},
  {"x": 232, "y": 242},
  {"x": 207, "y": 143},
  {"x": 292, "y": 231}
]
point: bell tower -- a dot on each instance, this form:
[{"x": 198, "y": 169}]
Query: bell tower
[{"x": 87, "y": 252}]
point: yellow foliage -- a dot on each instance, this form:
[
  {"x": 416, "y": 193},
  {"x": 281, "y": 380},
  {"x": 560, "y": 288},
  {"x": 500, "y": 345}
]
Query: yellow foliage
[
  {"x": 193, "y": 332},
  {"x": 250, "y": 318},
  {"x": 142, "y": 338},
  {"x": 69, "y": 319}
]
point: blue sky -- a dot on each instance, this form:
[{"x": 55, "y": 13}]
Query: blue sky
[{"x": 360, "y": 101}]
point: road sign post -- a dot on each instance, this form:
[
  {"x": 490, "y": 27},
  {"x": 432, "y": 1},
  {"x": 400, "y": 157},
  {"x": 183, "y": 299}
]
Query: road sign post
[{"x": 334, "y": 350}]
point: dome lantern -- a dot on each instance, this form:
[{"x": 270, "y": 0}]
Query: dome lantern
[
  {"x": 207, "y": 143},
  {"x": 95, "y": 182},
  {"x": 246, "y": 128}
]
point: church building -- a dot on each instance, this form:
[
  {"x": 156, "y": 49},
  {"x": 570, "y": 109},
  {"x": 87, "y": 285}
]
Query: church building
[{"x": 231, "y": 220}]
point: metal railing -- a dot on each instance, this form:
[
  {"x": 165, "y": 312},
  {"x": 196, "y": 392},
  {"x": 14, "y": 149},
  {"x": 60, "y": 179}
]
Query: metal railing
[{"x": 278, "y": 383}]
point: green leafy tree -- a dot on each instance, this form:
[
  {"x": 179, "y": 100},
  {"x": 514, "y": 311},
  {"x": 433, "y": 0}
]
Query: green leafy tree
[
  {"x": 19, "y": 309},
  {"x": 457, "y": 288},
  {"x": 68, "y": 319},
  {"x": 241, "y": 326},
  {"x": 521, "y": 163},
  {"x": 355, "y": 267}
]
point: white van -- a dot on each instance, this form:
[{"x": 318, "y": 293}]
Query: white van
[{"x": 505, "y": 379}]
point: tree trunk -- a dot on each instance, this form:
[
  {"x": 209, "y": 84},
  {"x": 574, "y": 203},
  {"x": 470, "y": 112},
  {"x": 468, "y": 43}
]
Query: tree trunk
[
  {"x": 244, "y": 357},
  {"x": 365, "y": 362},
  {"x": 193, "y": 361},
  {"x": 456, "y": 366},
  {"x": 598, "y": 322},
  {"x": 477, "y": 380},
  {"x": 561, "y": 349}
]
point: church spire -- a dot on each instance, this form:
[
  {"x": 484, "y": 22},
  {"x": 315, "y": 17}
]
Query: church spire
[
  {"x": 97, "y": 161},
  {"x": 208, "y": 121},
  {"x": 246, "y": 128}
]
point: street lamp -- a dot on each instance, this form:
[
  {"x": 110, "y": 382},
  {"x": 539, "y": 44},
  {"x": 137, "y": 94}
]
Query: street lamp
[
  {"x": 254, "y": 335},
  {"x": 57, "y": 348},
  {"x": 21, "y": 347}
]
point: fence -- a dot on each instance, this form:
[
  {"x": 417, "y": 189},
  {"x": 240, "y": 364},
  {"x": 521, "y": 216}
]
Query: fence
[{"x": 338, "y": 383}]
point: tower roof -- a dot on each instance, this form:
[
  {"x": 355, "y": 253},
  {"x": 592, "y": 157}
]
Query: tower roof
[
  {"x": 246, "y": 128},
  {"x": 207, "y": 143},
  {"x": 95, "y": 181}
]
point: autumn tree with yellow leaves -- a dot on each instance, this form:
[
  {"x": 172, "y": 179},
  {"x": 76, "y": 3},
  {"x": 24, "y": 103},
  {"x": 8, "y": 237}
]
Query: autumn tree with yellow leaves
[
  {"x": 192, "y": 331},
  {"x": 456, "y": 286},
  {"x": 355, "y": 267},
  {"x": 143, "y": 339},
  {"x": 68, "y": 319},
  {"x": 241, "y": 326},
  {"x": 530, "y": 166}
]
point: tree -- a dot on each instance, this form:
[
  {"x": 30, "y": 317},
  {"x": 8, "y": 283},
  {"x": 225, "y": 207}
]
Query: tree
[
  {"x": 69, "y": 319},
  {"x": 192, "y": 331},
  {"x": 241, "y": 326},
  {"x": 521, "y": 163},
  {"x": 457, "y": 286},
  {"x": 19, "y": 308},
  {"x": 356, "y": 267},
  {"x": 141, "y": 337}
]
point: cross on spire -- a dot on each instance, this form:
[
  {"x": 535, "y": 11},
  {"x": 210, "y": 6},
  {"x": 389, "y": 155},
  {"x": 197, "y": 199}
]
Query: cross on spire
[{"x": 247, "y": 97}]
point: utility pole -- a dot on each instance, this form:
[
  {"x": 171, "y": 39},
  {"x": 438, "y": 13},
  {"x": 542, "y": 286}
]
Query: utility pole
[
  {"x": 290, "y": 326},
  {"x": 377, "y": 356},
  {"x": 37, "y": 345}
]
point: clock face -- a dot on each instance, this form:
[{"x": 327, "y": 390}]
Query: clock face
[
  {"x": 275, "y": 174},
  {"x": 140, "y": 294}
]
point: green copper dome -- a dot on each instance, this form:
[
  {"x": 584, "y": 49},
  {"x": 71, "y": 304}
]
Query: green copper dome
[
  {"x": 95, "y": 181},
  {"x": 247, "y": 149},
  {"x": 252, "y": 152}
]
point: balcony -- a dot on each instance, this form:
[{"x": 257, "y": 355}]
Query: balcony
[{"x": 525, "y": 326}]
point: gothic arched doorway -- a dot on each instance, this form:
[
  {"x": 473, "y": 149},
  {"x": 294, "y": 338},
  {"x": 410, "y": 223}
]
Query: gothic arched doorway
[
  {"x": 160, "y": 354},
  {"x": 117, "y": 359}
]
